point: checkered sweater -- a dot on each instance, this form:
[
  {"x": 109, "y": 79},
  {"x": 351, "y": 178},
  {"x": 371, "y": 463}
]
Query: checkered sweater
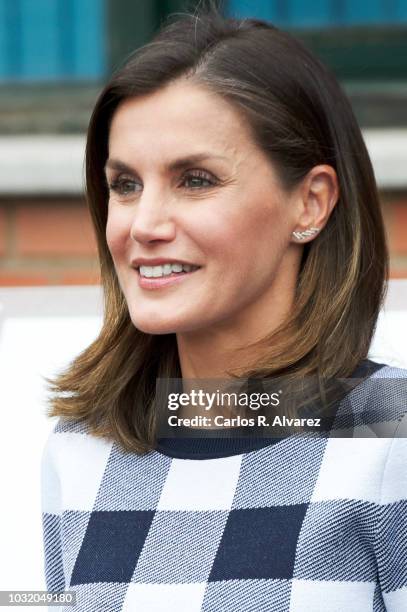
[{"x": 298, "y": 524}]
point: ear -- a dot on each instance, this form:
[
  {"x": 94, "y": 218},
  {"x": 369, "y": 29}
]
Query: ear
[{"x": 317, "y": 196}]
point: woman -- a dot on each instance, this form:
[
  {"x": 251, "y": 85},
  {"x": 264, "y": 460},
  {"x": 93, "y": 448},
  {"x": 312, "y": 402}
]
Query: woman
[{"x": 239, "y": 236}]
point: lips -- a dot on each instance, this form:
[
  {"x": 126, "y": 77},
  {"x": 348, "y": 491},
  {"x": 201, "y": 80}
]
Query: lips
[
  {"x": 158, "y": 282},
  {"x": 155, "y": 271},
  {"x": 159, "y": 261}
]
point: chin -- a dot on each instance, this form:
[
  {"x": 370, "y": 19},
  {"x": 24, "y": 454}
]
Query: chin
[{"x": 157, "y": 326}]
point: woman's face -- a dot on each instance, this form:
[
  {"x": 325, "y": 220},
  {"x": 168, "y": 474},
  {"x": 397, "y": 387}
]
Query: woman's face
[{"x": 225, "y": 212}]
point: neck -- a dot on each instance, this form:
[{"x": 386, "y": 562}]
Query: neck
[
  {"x": 216, "y": 350},
  {"x": 223, "y": 348},
  {"x": 201, "y": 372}
]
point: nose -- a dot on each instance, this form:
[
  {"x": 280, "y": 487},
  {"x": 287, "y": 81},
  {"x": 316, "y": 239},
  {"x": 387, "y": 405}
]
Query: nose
[{"x": 151, "y": 220}]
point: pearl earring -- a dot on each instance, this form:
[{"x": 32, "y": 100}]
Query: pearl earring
[{"x": 306, "y": 233}]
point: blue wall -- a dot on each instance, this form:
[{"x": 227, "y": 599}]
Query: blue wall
[
  {"x": 322, "y": 13},
  {"x": 44, "y": 40},
  {"x": 51, "y": 40}
]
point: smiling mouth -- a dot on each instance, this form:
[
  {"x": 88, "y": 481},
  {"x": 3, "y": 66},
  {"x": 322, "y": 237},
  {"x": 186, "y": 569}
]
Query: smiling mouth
[
  {"x": 172, "y": 279},
  {"x": 166, "y": 271}
]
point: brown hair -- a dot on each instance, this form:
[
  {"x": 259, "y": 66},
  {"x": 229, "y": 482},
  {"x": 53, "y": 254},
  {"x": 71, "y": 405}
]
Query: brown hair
[{"x": 300, "y": 118}]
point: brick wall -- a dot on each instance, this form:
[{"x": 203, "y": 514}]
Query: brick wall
[
  {"x": 47, "y": 242},
  {"x": 395, "y": 216},
  {"x": 51, "y": 241}
]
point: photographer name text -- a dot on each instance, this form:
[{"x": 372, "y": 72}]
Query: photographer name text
[{"x": 238, "y": 421}]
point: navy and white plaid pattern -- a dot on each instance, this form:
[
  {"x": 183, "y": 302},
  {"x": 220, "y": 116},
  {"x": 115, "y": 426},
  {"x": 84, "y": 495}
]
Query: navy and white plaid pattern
[{"x": 306, "y": 524}]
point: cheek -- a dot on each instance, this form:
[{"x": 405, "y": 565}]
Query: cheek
[
  {"x": 265, "y": 227},
  {"x": 250, "y": 227},
  {"x": 115, "y": 235}
]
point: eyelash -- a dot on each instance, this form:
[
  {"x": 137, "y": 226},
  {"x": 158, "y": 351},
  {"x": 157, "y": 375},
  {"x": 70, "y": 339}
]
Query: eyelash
[{"x": 118, "y": 184}]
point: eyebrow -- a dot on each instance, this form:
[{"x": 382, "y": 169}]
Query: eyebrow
[{"x": 177, "y": 164}]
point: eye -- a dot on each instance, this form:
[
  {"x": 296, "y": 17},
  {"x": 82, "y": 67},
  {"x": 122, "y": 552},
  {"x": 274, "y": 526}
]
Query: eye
[
  {"x": 197, "y": 176},
  {"x": 198, "y": 179},
  {"x": 123, "y": 185}
]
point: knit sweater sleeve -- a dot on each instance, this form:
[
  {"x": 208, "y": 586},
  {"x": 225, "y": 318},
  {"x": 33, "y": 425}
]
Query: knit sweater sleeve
[
  {"x": 391, "y": 527},
  {"x": 51, "y": 517}
]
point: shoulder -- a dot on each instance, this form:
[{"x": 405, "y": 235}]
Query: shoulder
[
  {"x": 73, "y": 464},
  {"x": 389, "y": 371},
  {"x": 370, "y": 435},
  {"x": 70, "y": 451},
  {"x": 378, "y": 403},
  {"x": 70, "y": 431},
  {"x": 388, "y": 386}
]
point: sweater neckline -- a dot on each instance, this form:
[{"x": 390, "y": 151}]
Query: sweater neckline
[{"x": 189, "y": 444}]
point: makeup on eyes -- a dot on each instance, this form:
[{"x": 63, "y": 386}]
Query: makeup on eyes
[{"x": 118, "y": 183}]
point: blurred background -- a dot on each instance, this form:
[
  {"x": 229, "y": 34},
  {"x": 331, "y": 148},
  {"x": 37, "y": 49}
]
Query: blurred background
[{"x": 55, "y": 56}]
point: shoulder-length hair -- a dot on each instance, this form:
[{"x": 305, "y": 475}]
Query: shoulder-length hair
[{"x": 299, "y": 117}]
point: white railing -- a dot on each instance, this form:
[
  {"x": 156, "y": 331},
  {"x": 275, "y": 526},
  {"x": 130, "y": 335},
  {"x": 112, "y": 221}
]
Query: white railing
[{"x": 54, "y": 164}]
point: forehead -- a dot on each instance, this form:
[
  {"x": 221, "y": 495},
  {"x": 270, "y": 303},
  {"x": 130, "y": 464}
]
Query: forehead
[{"x": 179, "y": 116}]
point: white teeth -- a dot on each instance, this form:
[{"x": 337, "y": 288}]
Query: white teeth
[
  {"x": 165, "y": 270},
  {"x": 146, "y": 271}
]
